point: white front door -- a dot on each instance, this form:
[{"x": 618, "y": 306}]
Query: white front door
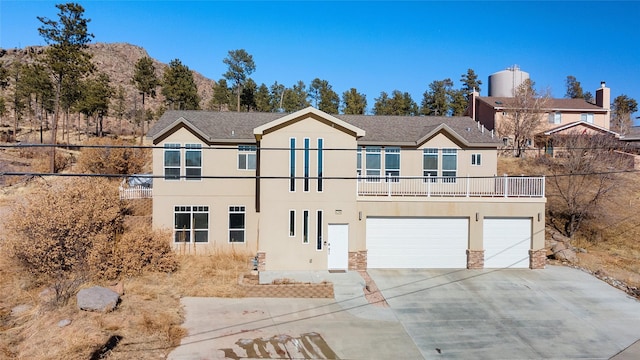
[{"x": 338, "y": 247}]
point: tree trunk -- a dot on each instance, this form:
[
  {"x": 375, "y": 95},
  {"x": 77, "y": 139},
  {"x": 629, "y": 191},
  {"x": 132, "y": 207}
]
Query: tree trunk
[{"x": 54, "y": 127}]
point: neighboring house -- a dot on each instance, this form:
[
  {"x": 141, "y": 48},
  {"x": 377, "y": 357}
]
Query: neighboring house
[
  {"x": 544, "y": 141},
  {"x": 313, "y": 191},
  {"x": 491, "y": 111}
]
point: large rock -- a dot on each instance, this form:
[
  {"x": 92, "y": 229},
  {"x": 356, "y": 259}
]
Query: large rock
[
  {"x": 561, "y": 251},
  {"x": 98, "y": 299}
]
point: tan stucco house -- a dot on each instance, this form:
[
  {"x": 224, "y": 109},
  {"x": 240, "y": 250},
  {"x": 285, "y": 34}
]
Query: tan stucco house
[{"x": 313, "y": 191}]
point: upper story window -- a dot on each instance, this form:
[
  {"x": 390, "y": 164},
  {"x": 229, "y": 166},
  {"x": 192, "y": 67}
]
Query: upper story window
[
  {"x": 292, "y": 164},
  {"x": 392, "y": 163},
  {"x": 193, "y": 161},
  {"x": 373, "y": 163},
  {"x": 320, "y": 164},
  {"x": 247, "y": 157},
  {"x": 359, "y": 161},
  {"x": 306, "y": 164},
  {"x": 191, "y": 224},
  {"x": 587, "y": 117},
  {"x": 449, "y": 164},
  {"x": 172, "y": 161},
  {"x": 476, "y": 159},
  {"x": 555, "y": 118},
  {"x": 430, "y": 163}
]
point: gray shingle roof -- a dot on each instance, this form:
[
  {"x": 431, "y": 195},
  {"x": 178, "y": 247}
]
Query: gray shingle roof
[
  {"x": 390, "y": 130},
  {"x": 552, "y": 104}
]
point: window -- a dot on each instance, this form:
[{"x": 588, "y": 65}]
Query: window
[
  {"x": 172, "y": 161},
  {"x": 306, "y": 164},
  {"x": 236, "y": 224},
  {"x": 305, "y": 226},
  {"x": 191, "y": 224},
  {"x": 588, "y": 117},
  {"x": 320, "y": 163},
  {"x": 292, "y": 223},
  {"x": 555, "y": 118},
  {"x": 359, "y": 162},
  {"x": 193, "y": 161},
  {"x": 392, "y": 163},
  {"x": 476, "y": 159},
  {"x": 449, "y": 164},
  {"x": 292, "y": 164},
  {"x": 430, "y": 163},
  {"x": 247, "y": 157},
  {"x": 372, "y": 163},
  {"x": 319, "y": 231}
]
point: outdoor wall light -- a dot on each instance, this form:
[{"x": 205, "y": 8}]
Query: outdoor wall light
[
  {"x": 360, "y": 215},
  {"x": 477, "y": 216}
]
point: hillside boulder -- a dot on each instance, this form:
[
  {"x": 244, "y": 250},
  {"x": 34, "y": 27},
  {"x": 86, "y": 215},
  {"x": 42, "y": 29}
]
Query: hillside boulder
[{"x": 97, "y": 299}]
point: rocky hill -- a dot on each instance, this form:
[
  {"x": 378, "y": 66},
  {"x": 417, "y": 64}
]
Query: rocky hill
[{"x": 116, "y": 60}]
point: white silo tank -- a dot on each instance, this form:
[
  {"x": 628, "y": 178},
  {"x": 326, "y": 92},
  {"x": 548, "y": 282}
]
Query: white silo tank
[{"x": 503, "y": 83}]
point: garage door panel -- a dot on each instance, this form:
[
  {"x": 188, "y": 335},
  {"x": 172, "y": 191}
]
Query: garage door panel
[
  {"x": 507, "y": 242},
  {"x": 417, "y": 242}
]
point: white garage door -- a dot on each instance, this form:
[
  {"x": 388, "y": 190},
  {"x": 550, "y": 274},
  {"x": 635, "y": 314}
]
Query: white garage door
[
  {"x": 417, "y": 242},
  {"x": 506, "y": 243}
]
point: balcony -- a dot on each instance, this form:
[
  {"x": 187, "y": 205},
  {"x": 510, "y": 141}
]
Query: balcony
[{"x": 487, "y": 187}]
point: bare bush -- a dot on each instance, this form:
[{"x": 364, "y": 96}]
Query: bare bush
[
  {"x": 112, "y": 157},
  {"x": 586, "y": 169},
  {"x": 51, "y": 234},
  {"x": 133, "y": 253}
]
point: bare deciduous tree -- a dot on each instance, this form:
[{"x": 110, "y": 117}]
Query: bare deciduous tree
[
  {"x": 585, "y": 170},
  {"x": 524, "y": 116}
]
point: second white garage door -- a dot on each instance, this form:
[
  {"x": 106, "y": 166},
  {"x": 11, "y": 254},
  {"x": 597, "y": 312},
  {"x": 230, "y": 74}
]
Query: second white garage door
[
  {"x": 417, "y": 242},
  {"x": 506, "y": 242}
]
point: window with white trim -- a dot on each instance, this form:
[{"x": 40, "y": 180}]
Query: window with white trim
[
  {"x": 193, "y": 161},
  {"x": 449, "y": 164},
  {"x": 372, "y": 163},
  {"x": 392, "y": 163},
  {"x": 247, "y": 157},
  {"x": 430, "y": 163},
  {"x": 320, "y": 164},
  {"x": 236, "y": 224},
  {"x": 587, "y": 117},
  {"x": 172, "y": 161},
  {"x": 476, "y": 159},
  {"x": 359, "y": 162},
  {"x": 555, "y": 118},
  {"x": 306, "y": 164},
  {"x": 191, "y": 224}
]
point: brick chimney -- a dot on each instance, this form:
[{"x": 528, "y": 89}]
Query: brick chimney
[{"x": 603, "y": 100}]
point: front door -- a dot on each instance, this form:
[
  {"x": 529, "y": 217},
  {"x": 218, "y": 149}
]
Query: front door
[{"x": 338, "y": 247}]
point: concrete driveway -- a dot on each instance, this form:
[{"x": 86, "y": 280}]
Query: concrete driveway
[{"x": 556, "y": 313}]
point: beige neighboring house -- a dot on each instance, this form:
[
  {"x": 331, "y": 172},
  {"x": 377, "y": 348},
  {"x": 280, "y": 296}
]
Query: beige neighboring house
[
  {"x": 313, "y": 191},
  {"x": 556, "y": 113}
]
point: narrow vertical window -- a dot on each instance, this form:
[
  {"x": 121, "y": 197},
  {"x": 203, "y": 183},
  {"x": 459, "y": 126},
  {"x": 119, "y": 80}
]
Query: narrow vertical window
[
  {"x": 292, "y": 164},
  {"x": 193, "y": 161},
  {"x": 306, "y": 164},
  {"x": 305, "y": 226},
  {"x": 172, "y": 161},
  {"x": 292, "y": 223},
  {"x": 236, "y": 224},
  {"x": 392, "y": 163},
  {"x": 430, "y": 164},
  {"x": 320, "y": 163},
  {"x": 373, "y": 163},
  {"x": 359, "y": 162},
  {"x": 449, "y": 165},
  {"x": 319, "y": 231}
]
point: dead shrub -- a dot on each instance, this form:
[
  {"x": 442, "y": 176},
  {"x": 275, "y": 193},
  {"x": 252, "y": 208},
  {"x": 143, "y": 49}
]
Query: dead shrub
[
  {"x": 42, "y": 160},
  {"x": 51, "y": 234},
  {"x": 112, "y": 156},
  {"x": 133, "y": 253}
]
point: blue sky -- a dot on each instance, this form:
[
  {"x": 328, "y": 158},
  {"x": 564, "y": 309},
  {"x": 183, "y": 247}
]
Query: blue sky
[{"x": 372, "y": 46}]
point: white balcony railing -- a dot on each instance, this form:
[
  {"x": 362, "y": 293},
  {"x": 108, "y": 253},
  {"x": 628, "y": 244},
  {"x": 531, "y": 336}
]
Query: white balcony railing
[
  {"x": 135, "y": 192},
  {"x": 500, "y": 186}
]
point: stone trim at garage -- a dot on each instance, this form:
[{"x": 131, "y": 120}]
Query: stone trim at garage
[
  {"x": 358, "y": 260},
  {"x": 475, "y": 259},
  {"x": 537, "y": 258}
]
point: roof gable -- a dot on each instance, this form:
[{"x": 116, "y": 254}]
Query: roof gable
[
  {"x": 577, "y": 125},
  {"x": 304, "y": 114}
]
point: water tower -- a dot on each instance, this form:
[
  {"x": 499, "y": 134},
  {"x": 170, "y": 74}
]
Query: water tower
[{"x": 503, "y": 83}]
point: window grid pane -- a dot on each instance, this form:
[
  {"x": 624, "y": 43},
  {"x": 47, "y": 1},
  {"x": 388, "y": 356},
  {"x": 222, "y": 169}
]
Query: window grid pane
[{"x": 320, "y": 163}]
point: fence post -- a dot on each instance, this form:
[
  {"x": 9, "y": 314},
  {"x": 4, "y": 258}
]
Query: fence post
[
  {"x": 506, "y": 186},
  {"x": 468, "y": 185}
]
